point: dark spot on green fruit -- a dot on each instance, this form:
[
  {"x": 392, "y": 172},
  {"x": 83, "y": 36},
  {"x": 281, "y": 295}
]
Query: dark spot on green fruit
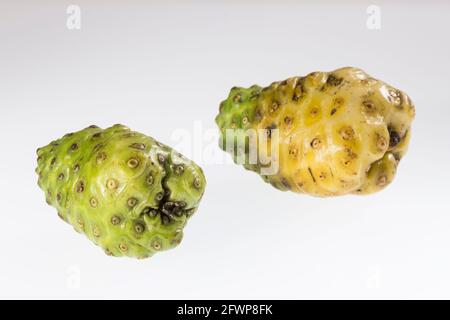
[
  {"x": 79, "y": 188},
  {"x": 133, "y": 163},
  {"x": 333, "y": 111},
  {"x": 61, "y": 176},
  {"x": 237, "y": 98},
  {"x": 159, "y": 196},
  {"x": 197, "y": 183},
  {"x": 97, "y": 135},
  {"x": 101, "y": 157},
  {"x": 93, "y": 202},
  {"x": 123, "y": 247},
  {"x": 115, "y": 220},
  {"x": 131, "y": 202},
  {"x": 149, "y": 179},
  {"x": 161, "y": 158},
  {"x": 179, "y": 169},
  {"x": 112, "y": 184},
  {"x": 139, "y": 227},
  {"x": 74, "y": 147},
  {"x": 76, "y": 168},
  {"x": 53, "y": 162},
  {"x": 156, "y": 244}
]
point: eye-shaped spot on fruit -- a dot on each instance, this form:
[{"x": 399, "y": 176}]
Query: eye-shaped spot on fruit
[
  {"x": 59, "y": 197},
  {"x": 159, "y": 196},
  {"x": 322, "y": 176},
  {"x": 316, "y": 143},
  {"x": 287, "y": 120},
  {"x": 133, "y": 163},
  {"x": 61, "y": 176},
  {"x": 161, "y": 158},
  {"x": 96, "y": 231},
  {"x": 76, "y": 168},
  {"x": 156, "y": 244},
  {"x": 52, "y": 163},
  {"x": 123, "y": 247},
  {"x": 245, "y": 120},
  {"x": 116, "y": 220},
  {"x": 74, "y": 147},
  {"x": 274, "y": 107},
  {"x": 233, "y": 125},
  {"x": 381, "y": 142},
  {"x": 96, "y": 135},
  {"x": 197, "y": 183},
  {"x": 131, "y": 202},
  {"x": 101, "y": 157},
  {"x": 179, "y": 169},
  {"x": 80, "y": 224},
  {"x": 79, "y": 188},
  {"x": 93, "y": 202},
  {"x": 137, "y": 146},
  {"x": 149, "y": 179},
  {"x": 237, "y": 98},
  {"x": 109, "y": 252},
  {"x": 369, "y": 107},
  {"x": 347, "y": 133},
  {"x": 314, "y": 111},
  {"x": 293, "y": 152},
  {"x": 112, "y": 184},
  {"x": 139, "y": 227}
]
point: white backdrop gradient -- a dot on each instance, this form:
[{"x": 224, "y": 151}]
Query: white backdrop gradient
[{"x": 162, "y": 66}]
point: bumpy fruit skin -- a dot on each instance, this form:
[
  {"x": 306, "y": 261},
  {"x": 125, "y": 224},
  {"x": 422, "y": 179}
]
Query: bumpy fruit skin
[
  {"x": 340, "y": 132},
  {"x": 128, "y": 193}
]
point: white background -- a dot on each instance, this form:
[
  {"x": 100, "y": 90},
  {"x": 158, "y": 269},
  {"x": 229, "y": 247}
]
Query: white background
[{"x": 159, "y": 67}]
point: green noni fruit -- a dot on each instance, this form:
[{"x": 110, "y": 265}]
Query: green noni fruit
[{"x": 128, "y": 193}]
